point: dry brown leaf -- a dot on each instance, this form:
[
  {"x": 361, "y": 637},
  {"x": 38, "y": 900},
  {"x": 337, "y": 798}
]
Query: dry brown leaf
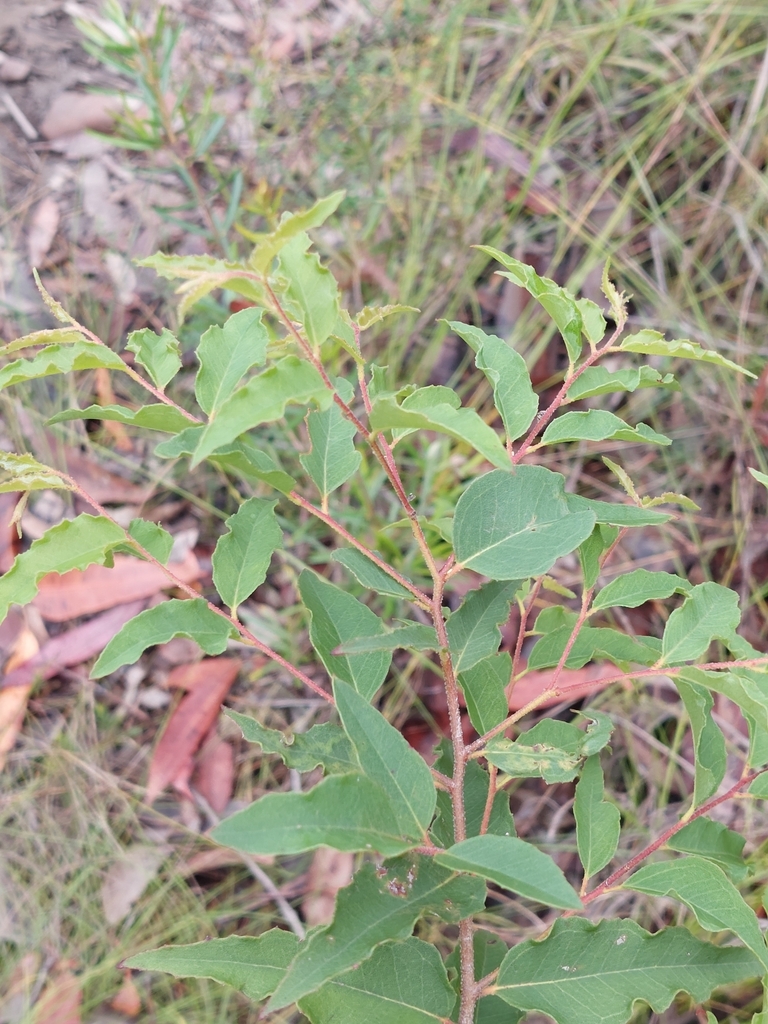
[
  {"x": 331, "y": 870},
  {"x": 61, "y": 999},
  {"x": 128, "y": 999},
  {"x": 105, "y": 487},
  {"x": 188, "y": 677},
  {"x": 13, "y": 69},
  {"x": 188, "y": 724},
  {"x": 128, "y": 877},
  {"x": 13, "y": 702},
  {"x": 214, "y": 775},
  {"x": 573, "y": 684},
  {"x": 83, "y": 592},
  {"x": 73, "y": 647},
  {"x": 73, "y": 111},
  {"x": 42, "y": 230}
]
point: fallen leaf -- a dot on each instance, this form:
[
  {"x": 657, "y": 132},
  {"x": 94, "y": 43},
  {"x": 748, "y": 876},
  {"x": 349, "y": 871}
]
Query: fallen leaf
[
  {"x": 42, "y": 230},
  {"x": 128, "y": 877},
  {"x": 214, "y": 775},
  {"x": 105, "y": 487},
  {"x": 574, "y": 683},
  {"x": 179, "y": 651},
  {"x": 83, "y": 592},
  {"x": 13, "y": 702},
  {"x": 188, "y": 724},
  {"x": 331, "y": 870},
  {"x": 72, "y": 647},
  {"x": 215, "y": 858},
  {"x": 73, "y": 111},
  {"x": 61, "y": 999},
  {"x": 13, "y": 69},
  {"x": 128, "y": 999},
  {"x": 110, "y": 220}
]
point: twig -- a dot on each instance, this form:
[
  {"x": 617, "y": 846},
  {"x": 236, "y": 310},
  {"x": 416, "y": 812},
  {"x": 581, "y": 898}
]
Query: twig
[
  {"x": 249, "y": 637},
  {"x": 18, "y": 116},
  {"x": 631, "y": 864}
]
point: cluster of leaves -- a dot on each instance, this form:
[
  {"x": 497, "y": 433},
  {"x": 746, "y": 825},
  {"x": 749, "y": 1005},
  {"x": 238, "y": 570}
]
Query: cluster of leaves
[{"x": 431, "y": 839}]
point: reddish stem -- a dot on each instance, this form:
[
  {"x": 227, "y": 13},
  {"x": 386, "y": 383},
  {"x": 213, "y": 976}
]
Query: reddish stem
[
  {"x": 421, "y": 598},
  {"x": 631, "y": 864},
  {"x": 252, "y": 640}
]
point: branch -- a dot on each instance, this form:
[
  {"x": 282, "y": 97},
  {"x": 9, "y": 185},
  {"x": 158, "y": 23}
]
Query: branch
[
  {"x": 743, "y": 782},
  {"x": 420, "y": 598},
  {"x": 562, "y": 691},
  {"x": 249, "y": 637}
]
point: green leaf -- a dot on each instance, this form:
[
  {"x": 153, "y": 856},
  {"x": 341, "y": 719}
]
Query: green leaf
[
  {"x": 484, "y": 688},
  {"x": 603, "y": 970},
  {"x": 311, "y": 295},
  {"x": 262, "y": 400},
  {"x": 157, "y": 541},
  {"x": 597, "y": 821},
  {"x": 332, "y": 459},
  {"x": 476, "y": 783},
  {"x": 172, "y": 267},
  {"x": 242, "y": 556},
  {"x": 225, "y": 354},
  {"x": 239, "y": 457},
  {"x": 159, "y": 354},
  {"x": 368, "y": 574},
  {"x": 254, "y": 966},
  {"x": 514, "y": 525},
  {"x": 761, "y": 478},
  {"x": 381, "y": 904},
  {"x": 746, "y": 688},
  {"x": 370, "y": 315},
  {"x": 292, "y": 224},
  {"x": 636, "y": 587},
  {"x": 387, "y": 759},
  {"x": 598, "y": 380},
  {"x": 714, "y": 841},
  {"x": 50, "y": 336},
  {"x": 82, "y": 355},
  {"x": 507, "y": 372},
  {"x": 598, "y": 425},
  {"x": 251, "y": 464},
  {"x": 345, "y": 812},
  {"x": 514, "y": 865},
  {"x": 552, "y": 750},
  {"x": 415, "y": 635},
  {"x": 709, "y": 612},
  {"x": 707, "y": 891},
  {"x": 489, "y": 954},
  {"x": 617, "y": 515},
  {"x": 710, "y": 756},
  {"x": 651, "y": 343},
  {"x": 473, "y": 629},
  {"x": 192, "y": 619},
  {"x": 326, "y": 744},
  {"x": 25, "y": 473},
  {"x": 439, "y": 408},
  {"x": 337, "y": 617},
  {"x": 153, "y": 417},
  {"x": 592, "y": 550},
  {"x": 402, "y": 983},
  {"x": 567, "y": 313},
  {"x": 593, "y": 642},
  {"x": 71, "y": 544}
]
